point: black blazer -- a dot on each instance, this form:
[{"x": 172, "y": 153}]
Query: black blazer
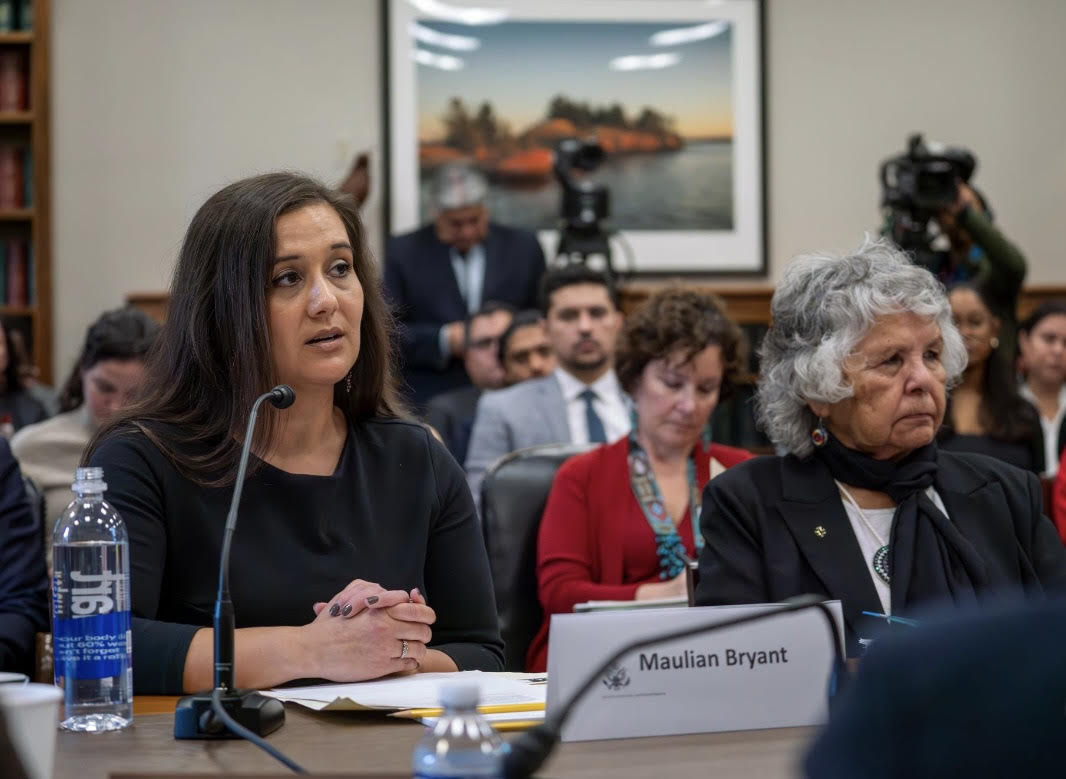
[
  {"x": 759, "y": 521},
  {"x": 452, "y": 415},
  {"x": 420, "y": 284},
  {"x": 968, "y": 695}
]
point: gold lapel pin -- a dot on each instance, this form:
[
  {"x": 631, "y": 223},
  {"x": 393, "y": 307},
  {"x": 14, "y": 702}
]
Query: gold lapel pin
[{"x": 819, "y": 531}]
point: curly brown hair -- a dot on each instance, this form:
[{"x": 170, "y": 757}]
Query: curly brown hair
[{"x": 679, "y": 319}]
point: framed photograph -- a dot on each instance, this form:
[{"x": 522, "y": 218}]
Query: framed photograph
[{"x": 663, "y": 100}]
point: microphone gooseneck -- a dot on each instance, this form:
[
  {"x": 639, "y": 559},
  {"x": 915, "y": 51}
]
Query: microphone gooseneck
[
  {"x": 225, "y": 712},
  {"x": 531, "y": 749},
  {"x": 281, "y": 396}
]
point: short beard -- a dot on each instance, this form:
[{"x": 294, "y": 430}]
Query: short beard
[{"x": 574, "y": 366}]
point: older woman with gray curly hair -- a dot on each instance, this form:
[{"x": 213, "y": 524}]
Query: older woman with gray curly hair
[{"x": 863, "y": 507}]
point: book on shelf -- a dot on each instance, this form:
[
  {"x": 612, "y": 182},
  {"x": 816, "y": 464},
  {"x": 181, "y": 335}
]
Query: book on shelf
[
  {"x": 14, "y": 81},
  {"x": 8, "y": 21},
  {"x": 24, "y": 16},
  {"x": 27, "y": 177},
  {"x": 17, "y": 290},
  {"x": 3, "y": 272},
  {"x": 12, "y": 181}
]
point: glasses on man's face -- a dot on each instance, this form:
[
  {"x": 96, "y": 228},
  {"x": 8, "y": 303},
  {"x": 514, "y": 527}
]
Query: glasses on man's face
[{"x": 488, "y": 342}]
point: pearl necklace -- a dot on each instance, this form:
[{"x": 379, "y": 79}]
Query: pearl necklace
[{"x": 879, "y": 561}]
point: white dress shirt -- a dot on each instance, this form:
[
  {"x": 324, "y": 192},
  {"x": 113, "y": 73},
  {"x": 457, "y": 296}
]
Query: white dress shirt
[
  {"x": 610, "y": 404},
  {"x": 470, "y": 277},
  {"x": 881, "y": 519},
  {"x": 1050, "y": 428}
]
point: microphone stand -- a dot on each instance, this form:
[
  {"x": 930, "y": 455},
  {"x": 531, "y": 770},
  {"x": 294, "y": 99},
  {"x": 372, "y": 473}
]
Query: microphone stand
[
  {"x": 532, "y": 748},
  {"x": 226, "y": 712}
]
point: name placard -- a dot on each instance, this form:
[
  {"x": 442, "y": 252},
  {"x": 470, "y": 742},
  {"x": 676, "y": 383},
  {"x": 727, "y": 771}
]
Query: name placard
[{"x": 767, "y": 674}]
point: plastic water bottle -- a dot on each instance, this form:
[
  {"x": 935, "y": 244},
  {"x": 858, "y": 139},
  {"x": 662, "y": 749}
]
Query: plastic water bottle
[
  {"x": 91, "y": 639},
  {"x": 461, "y": 743}
]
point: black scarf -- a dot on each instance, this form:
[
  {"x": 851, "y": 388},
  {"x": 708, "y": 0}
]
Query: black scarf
[{"x": 928, "y": 558}]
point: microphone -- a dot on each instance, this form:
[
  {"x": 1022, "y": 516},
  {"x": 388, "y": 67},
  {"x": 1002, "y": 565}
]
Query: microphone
[
  {"x": 532, "y": 748},
  {"x": 226, "y": 712}
]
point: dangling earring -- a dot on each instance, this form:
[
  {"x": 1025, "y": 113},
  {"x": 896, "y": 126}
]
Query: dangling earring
[
  {"x": 819, "y": 435},
  {"x": 348, "y": 383},
  {"x": 633, "y": 417},
  {"x": 993, "y": 342}
]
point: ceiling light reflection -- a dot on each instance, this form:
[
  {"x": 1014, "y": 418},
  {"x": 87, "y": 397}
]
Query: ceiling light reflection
[
  {"x": 645, "y": 61},
  {"x": 679, "y": 35},
  {"x": 439, "y": 61},
  {"x": 431, "y": 37},
  {"x": 460, "y": 14}
]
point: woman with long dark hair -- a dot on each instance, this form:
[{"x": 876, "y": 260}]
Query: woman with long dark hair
[
  {"x": 985, "y": 412},
  {"x": 358, "y": 532}
]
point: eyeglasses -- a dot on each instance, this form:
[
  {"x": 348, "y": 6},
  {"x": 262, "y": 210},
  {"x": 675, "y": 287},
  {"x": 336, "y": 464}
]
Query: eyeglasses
[{"x": 490, "y": 341}]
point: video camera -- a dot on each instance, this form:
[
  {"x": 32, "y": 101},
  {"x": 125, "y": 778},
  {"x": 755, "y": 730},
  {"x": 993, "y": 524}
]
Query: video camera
[
  {"x": 585, "y": 203},
  {"x": 915, "y": 187}
]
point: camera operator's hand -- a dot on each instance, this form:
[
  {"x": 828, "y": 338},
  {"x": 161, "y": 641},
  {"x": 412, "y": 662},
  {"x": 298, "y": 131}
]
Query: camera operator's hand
[{"x": 966, "y": 198}]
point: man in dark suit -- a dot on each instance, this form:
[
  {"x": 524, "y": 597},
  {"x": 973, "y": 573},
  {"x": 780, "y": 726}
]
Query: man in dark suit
[
  {"x": 975, "y": 696},
  {"x": 23, "y": 578},
  {"x": 440, "y": 273},
  {"x": 452, "y": 413}
]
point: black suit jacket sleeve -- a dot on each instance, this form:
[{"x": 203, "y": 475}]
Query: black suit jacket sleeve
[
  {"x": 23, "y": 578},
  {"x": 419, "y": 338}
]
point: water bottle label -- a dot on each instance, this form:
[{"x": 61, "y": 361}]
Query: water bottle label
[{"x": 92, "y": 647}]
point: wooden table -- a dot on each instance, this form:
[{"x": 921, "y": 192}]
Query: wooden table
[{"x": 367, "y": 743}]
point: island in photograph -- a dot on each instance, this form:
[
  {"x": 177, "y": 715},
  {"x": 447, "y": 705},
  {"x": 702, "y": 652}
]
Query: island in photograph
[{"x": 503, "y": 96}]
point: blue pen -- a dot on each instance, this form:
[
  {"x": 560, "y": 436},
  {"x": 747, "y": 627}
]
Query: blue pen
[{"x": 890, "y": 618}]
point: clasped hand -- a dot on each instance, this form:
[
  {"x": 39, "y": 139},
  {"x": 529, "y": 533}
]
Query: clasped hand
[{"x": 359, "y": 634}]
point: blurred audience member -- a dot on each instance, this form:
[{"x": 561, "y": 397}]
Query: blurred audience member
[
  {"x": 23, "y": 578},
  {"x": 440, "y": 273},
  {"x": 452, "y": 413},
  {"x": 1042, "y": 341},
  {"x": 18, "y": 406},
  {"x": 983, "y": 256},
  {"x": 581, "y": 401},
  {"x": 986, "y": 414},
  {"x": 525, "y": 352},
  {"x": 620, "y": 520},
  {"x": 107, "y": 373},
  {"x": 30, "y": 374}
]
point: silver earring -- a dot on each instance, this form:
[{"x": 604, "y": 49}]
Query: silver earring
[{"x": 348, "y": 383}]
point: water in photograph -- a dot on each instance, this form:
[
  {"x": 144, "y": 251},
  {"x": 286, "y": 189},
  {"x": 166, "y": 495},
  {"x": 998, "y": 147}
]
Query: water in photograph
[{"x": 691, "y": 189}]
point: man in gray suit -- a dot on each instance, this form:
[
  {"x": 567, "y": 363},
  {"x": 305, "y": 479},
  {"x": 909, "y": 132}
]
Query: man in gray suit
[{"x": 581, "y": 401}]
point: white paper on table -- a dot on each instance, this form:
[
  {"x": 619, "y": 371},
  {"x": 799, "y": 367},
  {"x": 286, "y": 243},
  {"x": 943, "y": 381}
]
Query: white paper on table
[
  {"x": 630, "y": 605},
  {"x": 418, "y": 691},
  {"x": 510, "y": 716}
]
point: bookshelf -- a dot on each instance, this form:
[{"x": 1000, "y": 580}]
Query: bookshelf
[{"x": 25, "y": 195}]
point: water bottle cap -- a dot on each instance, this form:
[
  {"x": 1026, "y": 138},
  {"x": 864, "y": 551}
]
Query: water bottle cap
[
  {"x": 89, "y": 480},
  {"x": 459, "y": 695}
]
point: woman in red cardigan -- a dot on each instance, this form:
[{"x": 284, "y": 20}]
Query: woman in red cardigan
[{"x": 619, "y": 524}]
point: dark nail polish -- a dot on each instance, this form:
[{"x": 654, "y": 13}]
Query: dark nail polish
[
  {"x": 347, "y": 609},
  {"x": 335, "y": 609},
  {"x": 372, "y": 600}
]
